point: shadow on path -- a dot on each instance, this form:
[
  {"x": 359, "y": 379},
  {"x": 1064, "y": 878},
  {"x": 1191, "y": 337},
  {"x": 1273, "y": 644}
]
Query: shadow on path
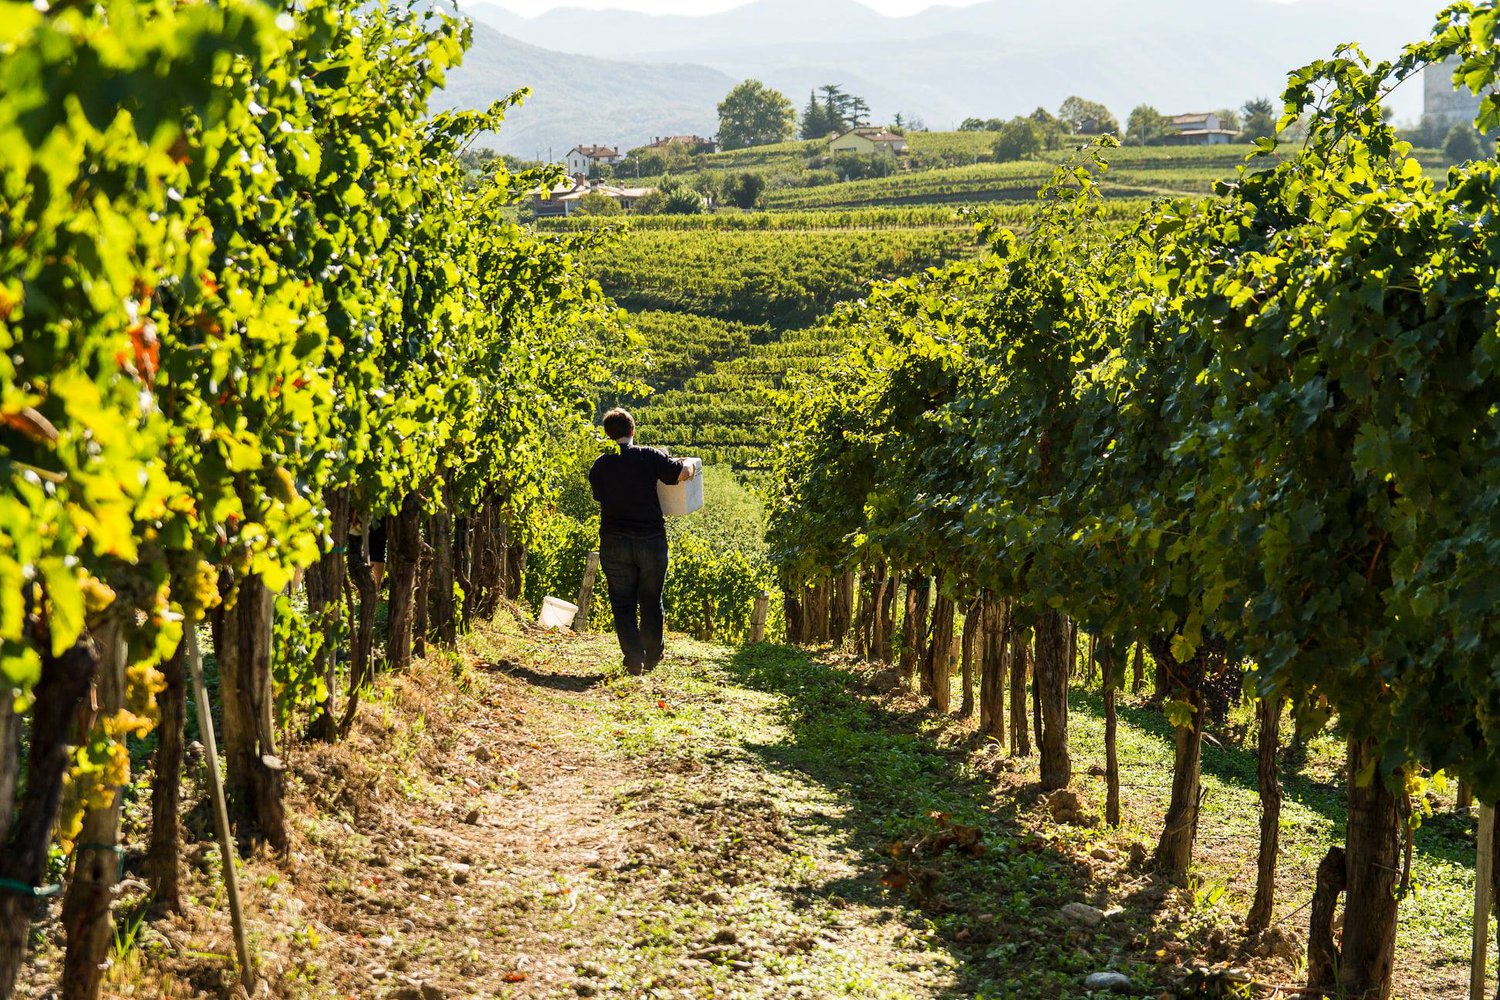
[
  {"x": 996, "y": 910},
  {"x": 557, "y": 682}
]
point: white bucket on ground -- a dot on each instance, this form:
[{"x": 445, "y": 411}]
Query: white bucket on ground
[
  {"x": 683, "y": 498},
  {"x": 556, "y": 613}
]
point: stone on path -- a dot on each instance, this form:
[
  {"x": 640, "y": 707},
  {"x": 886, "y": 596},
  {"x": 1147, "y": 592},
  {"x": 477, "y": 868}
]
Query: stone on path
[
  {"x": 1083, "y": 913},
  {"x": 1108, "y": 982}
]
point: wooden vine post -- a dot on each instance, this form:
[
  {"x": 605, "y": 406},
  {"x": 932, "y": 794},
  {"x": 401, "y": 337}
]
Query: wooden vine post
[
  {"x": 1268, "y": 783},
  {"x": 221, "y": 811},
  {"x": 1111, "y": 751},
  {"x": 992, "y": 669},
  {"x": 758, "y": 618},
  {"x": 936, "y": 666},
  {"x": 166, "y": 789},
  {"x": 1051, "y": 682},
  {"x": 972, "y": 620},
  {"x": 586, "y": 594},
  {"x": 242, "y": 643},
  {"x": 1020, "y": 740},
  {"x": 1483, "y": 901},
  {"x": 86, "y": 916}
]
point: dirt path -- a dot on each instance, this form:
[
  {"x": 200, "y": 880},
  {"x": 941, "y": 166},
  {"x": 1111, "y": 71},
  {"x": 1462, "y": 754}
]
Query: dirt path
[
  {"x": 586, "y": 835},
  {"x": 520, "y": 822}
]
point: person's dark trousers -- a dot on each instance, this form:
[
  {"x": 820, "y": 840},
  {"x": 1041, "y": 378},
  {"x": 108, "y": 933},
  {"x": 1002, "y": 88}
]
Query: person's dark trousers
[{"x": 636, "y": 570}]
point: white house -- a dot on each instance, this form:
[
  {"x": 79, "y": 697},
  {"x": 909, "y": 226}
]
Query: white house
[
  {"x": 868, "y": 142},
  {"x": 582, "y": 159},
  {"x": 1198, "y": 130}
]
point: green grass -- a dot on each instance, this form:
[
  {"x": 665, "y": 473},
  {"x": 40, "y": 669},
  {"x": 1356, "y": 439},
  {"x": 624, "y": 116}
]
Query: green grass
[
  {"x": 891, "y": 772},
  {"x": 1433, "y": 919}
]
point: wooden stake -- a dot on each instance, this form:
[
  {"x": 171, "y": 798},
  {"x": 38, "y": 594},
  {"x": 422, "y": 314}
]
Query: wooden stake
[
  {"x": 586, "y": 594},
  {"x": 1483, "y": 886},
  {"x": 758, "y": 618},
  {"x": 86, "y": 915},
  {"x": 221, "y": 811}
]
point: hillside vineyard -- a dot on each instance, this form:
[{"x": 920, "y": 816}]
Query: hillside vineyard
[
  {"x": 249, "y": 301},
  {"x": 1201, "y": 443},
  {"x": 1255, "y": 433}
]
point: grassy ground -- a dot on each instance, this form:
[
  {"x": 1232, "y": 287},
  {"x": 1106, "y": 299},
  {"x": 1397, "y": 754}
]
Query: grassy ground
[
  {"x": 520, "y": 821},
  {"x": 1433, "y": 942}
]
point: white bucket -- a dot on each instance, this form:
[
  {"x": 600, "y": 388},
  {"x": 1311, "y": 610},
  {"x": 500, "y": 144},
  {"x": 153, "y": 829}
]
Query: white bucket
[
  {"x": 683, "y": 498},
  {"x": 556, "y": 613}
]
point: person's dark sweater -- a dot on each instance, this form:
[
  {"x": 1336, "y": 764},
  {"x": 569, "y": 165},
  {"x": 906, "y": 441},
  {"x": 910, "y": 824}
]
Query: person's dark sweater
[{"x": 624, "y": 483}]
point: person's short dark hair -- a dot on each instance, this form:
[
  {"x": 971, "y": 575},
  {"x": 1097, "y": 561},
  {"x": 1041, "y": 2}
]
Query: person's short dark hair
[{"x": 618, "y": 423}]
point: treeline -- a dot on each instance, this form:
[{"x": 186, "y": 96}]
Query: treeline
[
  {"x": 840, "y": 219},
  {"x": 1256, "y": 437},
  {"x": 251, "y": 301},
  {"x": 1027, "y": 136}
]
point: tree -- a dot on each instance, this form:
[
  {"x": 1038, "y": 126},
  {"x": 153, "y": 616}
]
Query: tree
[
  {"x": 838, "y": 112},
  {"x": 651, "y": 203},
  {"x": 683, "y": 201},
  {"x": 1045, "y": 118},
  {"x": 1429, "y": 132},
  {"x": 744, "y": 190},
  {"x": 1229, "y": 119},
  {"x": 853, "y": 166},
  {"x": 1462, "y": 144},
  {"x": 856, "y": 112},
  {"x": 1082, "y": 117},
  {"x": 707, "y": 184},
  {"x": 1259, "y": 120},
  {"x": 753, "y": 114},
  {"x": 595, "y": 203},
  {"x": 815, "y": 124},
  {"x": 1147, "y": 126},
  {"x": 1019, "y": 139}
]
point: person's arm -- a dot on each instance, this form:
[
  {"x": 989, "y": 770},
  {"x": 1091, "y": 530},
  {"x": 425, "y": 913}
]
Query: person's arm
[
  {"x": 689, "y": 471},
  {"x": 672, "y": 470},
  {"x": 594, "y": 481}
]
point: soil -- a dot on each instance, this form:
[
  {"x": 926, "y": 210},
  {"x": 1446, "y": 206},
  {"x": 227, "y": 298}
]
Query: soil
[{"x": 521, "y": 821}]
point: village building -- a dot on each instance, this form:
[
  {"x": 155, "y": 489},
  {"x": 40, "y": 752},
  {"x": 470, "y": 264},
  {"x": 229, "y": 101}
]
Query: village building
[
  {"x": 564, "y": 199},
  {"x": 868, "y": 142},
  {"x": 583, "y": 159},
  {"x": 693, "y": 143},
  {"x": 560, "y": 199},
  {"x": 626, "y": 197},
  {"x": 1205, "y": 129}
]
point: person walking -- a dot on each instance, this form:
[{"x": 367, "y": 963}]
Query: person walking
[{"x": 633, "y": 537}]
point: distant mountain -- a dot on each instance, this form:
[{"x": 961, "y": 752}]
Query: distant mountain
[
  {"x": 996, "y": 58},
  {"x": 582, "y": 99}
]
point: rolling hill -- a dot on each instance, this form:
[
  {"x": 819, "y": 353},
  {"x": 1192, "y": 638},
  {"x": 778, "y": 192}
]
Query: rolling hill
[
  {"x": 995, "y": 58},
  {"x": 582, "y": 99}
]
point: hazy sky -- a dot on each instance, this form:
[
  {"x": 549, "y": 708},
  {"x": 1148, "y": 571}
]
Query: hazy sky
[{"x": 532, "y": 7}]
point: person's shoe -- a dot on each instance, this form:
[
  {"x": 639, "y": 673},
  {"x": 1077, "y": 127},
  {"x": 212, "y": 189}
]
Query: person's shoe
[
  {"x": 635, "y": 669},
  {"x": 651, "y": 665}
]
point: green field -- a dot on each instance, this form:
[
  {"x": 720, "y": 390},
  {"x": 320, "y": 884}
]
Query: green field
[
  {"x": 730, "y": 302},
  {"x": 722, "y": 413},
  {"x": 783, "y": 278}
]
